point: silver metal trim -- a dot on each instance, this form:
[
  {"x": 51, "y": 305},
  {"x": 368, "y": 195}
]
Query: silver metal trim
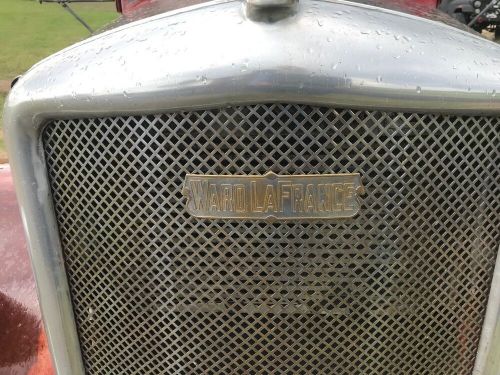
[
  {"x": 37, "y": 213},
  {"x": 488, "y": 354},
  {"x": 417, "y": 65}
]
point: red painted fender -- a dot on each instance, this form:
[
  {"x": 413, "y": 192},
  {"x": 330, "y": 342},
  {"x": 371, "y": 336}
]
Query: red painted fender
[
  {"x": 23, "y": 343},
  {"x": 129, "y": 7}
]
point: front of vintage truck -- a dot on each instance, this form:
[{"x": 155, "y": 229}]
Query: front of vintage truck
[{"x": 260, "y": 187}]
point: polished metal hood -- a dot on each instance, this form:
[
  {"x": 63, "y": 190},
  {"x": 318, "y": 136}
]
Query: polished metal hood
[{"x": 327, "y": 53}]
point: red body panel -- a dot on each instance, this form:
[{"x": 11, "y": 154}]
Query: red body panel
[
  {"x": 129, "y": 7},
  {"x": 135, "y": 7},
  {"x": 22, "y": 339}
]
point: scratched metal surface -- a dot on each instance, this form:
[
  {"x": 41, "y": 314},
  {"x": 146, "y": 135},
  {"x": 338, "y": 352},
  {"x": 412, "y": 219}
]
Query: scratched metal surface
[{"x": 399, "y": 289}]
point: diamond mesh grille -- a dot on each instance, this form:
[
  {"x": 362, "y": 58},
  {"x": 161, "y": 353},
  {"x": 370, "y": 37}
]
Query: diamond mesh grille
[{"x": 400, "y": 289}]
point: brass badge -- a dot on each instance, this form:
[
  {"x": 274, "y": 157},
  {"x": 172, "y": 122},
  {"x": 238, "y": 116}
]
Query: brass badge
[{"x": 271, "y": 196}]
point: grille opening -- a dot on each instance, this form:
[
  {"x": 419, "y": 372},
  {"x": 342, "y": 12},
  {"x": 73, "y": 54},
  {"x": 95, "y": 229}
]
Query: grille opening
[{"x": 399, "y": 289}]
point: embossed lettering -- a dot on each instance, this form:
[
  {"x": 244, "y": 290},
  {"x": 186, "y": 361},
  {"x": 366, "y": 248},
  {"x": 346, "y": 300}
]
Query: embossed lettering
[
  {"x": 200, "y": 191},
  {"x": 213, "y": 202},
  {"x": 348, "y": 196},
  {"x": 284, "y": 192},
  {"x": 324, "y": 204},
  {"x": 239, "y": 198},
  {"x": 227, "y": 197},
  {"x": 297, "y": 197},
  {"x": 310, "y": 199},
  {"x": 338, "y": 196},
  {"x": 270, "y": 204},
  {"x": 287, "y": 197},
  {"x": 254, "y": 203}
]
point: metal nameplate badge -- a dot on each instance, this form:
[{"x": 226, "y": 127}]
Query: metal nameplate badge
[{"x": 272, "y": 196}]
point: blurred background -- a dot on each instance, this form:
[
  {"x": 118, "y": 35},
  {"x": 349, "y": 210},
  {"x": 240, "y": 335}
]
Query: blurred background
[{"x": 30, "y": 31}]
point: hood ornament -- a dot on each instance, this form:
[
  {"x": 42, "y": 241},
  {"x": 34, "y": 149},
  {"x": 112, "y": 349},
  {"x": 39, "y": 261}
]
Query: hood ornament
[{"x": 270, "y": 10}]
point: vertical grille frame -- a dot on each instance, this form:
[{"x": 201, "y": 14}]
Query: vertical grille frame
[{"x": 392, "y": 122}]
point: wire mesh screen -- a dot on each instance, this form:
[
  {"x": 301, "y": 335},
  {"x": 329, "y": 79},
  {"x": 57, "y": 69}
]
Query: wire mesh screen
[{"x": 399, "y": 289}]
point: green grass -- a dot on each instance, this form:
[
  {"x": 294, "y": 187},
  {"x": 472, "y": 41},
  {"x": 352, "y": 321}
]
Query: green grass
[{"x": 30, "y": 31}]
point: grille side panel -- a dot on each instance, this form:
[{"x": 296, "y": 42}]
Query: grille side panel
[{"x": 401, "y": 288}]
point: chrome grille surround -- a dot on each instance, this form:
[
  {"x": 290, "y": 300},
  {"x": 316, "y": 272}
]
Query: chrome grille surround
[{"x": 402, "y": 287}]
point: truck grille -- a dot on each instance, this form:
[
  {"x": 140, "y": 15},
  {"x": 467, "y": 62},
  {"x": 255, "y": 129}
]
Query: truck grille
[{"x": 399, "y": 289}]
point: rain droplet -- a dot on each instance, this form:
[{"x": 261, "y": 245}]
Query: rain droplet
[
  {"x": 379, "y": 79},
  {"x": 244, "y": 66},
  {"x": 419, "y": 89},
  {"x": 91, "y": 313}
]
